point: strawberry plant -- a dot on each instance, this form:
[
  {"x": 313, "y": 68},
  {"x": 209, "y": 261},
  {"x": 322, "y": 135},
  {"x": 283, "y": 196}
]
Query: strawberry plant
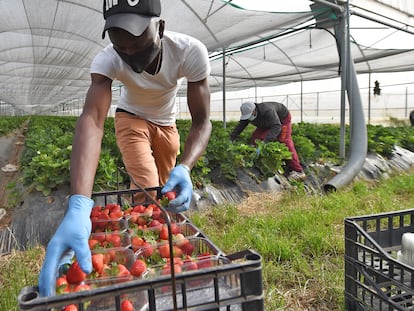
[
  {"x": 49, "y": 168},
  {"x": 272, "y": 157},
  {"x": 107, "y": 174},
  {"x": 8, "y": 124},
  {"x": 382, "y": 140},
  {"x": 305, "y": 148}
]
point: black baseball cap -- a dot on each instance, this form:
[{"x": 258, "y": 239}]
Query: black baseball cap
[{"x": 133, "y": 16}]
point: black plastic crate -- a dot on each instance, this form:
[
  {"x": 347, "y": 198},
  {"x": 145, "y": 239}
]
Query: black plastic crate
[
  {"x": 233, "y": 282},
  {"x": 234, "y": 285},
  {"x": 374, "y": 279}
]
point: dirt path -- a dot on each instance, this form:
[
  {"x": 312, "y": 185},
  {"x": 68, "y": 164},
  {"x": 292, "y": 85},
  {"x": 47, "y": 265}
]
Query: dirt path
[{"x": 11, "y": 149}]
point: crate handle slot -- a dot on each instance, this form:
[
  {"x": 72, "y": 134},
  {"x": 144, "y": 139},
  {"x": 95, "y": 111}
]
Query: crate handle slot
[
  {"x": 246, "y": 254},
  {"x": 29, "y": 293}
]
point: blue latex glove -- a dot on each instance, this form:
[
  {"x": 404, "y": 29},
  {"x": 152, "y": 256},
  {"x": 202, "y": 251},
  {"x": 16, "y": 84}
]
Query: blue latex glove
[
  {"x": 180, "y": 181},
  {"x": 72, "y": 234},
  {"x": 257, "y": 151}
]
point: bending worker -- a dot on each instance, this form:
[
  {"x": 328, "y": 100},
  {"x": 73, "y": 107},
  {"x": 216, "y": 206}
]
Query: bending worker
[
  {"x": 151, "y": 63},
  {"x": 273, "y": 123}
]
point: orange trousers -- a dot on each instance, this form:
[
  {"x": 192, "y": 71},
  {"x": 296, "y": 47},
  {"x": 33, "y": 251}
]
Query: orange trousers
[{"x": 149, "y": 151}]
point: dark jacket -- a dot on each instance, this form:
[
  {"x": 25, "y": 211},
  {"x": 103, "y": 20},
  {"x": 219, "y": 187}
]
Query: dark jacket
[{"x": 269, "y": 116}]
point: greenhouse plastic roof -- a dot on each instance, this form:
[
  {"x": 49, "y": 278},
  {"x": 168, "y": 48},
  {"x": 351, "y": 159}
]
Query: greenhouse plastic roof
[{"x": 48, "y": 45}]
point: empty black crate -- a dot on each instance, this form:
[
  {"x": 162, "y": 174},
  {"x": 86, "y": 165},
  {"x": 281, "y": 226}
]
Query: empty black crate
[{"x": 374, "y": 279}]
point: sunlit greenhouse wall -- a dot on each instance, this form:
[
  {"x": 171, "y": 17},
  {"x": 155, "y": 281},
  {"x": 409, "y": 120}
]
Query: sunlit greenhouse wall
[{"x": 395, "y": 102}]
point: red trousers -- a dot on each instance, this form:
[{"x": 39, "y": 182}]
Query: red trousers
[{"x": 284, "y": 137}]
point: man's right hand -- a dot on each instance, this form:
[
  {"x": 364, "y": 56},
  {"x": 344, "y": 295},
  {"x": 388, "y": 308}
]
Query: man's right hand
[{"x": 72, "y": 234}]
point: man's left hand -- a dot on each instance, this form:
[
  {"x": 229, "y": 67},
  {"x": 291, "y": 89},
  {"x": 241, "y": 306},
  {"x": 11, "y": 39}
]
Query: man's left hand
[{"x": 180, "y": 181}]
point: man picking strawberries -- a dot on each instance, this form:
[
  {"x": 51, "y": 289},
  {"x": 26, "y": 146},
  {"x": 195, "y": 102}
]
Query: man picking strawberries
[{"x": 151, "y": 63}]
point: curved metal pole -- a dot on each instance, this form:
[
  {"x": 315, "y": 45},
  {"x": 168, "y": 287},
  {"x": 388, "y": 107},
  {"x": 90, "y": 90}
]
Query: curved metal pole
[
  {"x": 358, "y": 141},
  {"x": 224, "y": 88},
  {"x": 343, "y": 49}
]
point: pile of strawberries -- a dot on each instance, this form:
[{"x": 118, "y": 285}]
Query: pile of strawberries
[{"x": 132, "y": 242}]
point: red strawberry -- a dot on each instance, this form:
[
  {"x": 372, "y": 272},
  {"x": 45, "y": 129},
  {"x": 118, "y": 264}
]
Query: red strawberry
[
  {"x": 98, "y": 262},
  {"x": 175, "y": 228},
  {"x": 177, "y": 261},
  {"x": 133, "y": 217},
  {"x": 147, "y": 249},
  {"x": 170, "y": 195},
  {"x": 137, "y": 242},
  {"x": 180, "y": 239},
  {"x": 164, "y": 250},
  {"x": 187, "y": 248},
  {"x": 104, "y": 215},
  {"x": 114, "y": 208},
  {"x": 177, "y": 251},
  {"x": 189, "y": 264},
  {"x": 167, "y": 197},
  {"x": 139, "y": 209},
  {"x": 114, "y": 239},
  {"x": 164, "y": 233},
  {"x": 154, "y": 224},
  {"x": 166, "y": 269},
  {"x": 75, "y": 275},
  {"x": 71, "y": 307},
  {"x": 93, "y": 243},
  {"x": 62, "y": 285},
  {"x": 122, "y": 271},
  {"x": 127, "y": 305},
  {"x": 148, "y": 211},
  {"x": 116, "y": 214},
  {"x": 100, "y": 237},
  {"x": 142, "y": 220},
  {"x": 204, "y": 262},
  {"x": 156, "y": 213},
  {"x": 138, "y": 268}
]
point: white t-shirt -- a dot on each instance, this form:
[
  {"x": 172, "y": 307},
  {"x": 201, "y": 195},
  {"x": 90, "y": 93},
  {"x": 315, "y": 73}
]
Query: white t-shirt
[{"x": 152, "y": 97}]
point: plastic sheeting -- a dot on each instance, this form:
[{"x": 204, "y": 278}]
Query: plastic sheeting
[{"x": 47, "y": 46}]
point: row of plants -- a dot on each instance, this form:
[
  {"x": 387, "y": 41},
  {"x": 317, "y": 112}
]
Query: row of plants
[
  {"x": 46, "y": 159},
  {"x": 9, "y": 124}
]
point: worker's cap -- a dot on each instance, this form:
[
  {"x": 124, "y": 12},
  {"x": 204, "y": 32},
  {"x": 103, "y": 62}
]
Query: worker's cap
[
  {"x": 133, "y": 16},
  {"x": 247, "y": 109}
]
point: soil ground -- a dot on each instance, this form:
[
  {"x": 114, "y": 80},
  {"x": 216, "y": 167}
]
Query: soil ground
[
  {"x": 29, "y": 218},
  {"x": 11, "y": 149}
]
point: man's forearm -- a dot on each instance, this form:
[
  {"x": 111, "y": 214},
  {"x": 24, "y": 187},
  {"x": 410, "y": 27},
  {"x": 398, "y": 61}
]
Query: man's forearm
[
  {"x": 196, "y": 143},
  {"x": 85, "y": 156}
]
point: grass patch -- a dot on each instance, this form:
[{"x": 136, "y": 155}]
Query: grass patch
[
  {"x": 301, "y": 237},
  {"x": 17, "y": 270}
]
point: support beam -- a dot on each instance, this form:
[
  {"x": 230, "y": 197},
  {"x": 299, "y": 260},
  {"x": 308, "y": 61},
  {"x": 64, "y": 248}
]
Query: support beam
[{"x": 358, "y": 139}]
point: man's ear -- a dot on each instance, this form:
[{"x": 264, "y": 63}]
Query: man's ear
[{"x": 161, "y": 28}]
